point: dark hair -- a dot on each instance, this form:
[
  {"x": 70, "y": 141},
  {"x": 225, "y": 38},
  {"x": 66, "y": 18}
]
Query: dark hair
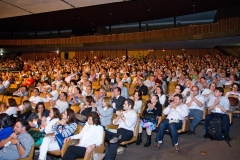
[
  {"x": 161, "y": 89},
  {"x": 139, "y": 94},
  {"x": 71, "y": 115},
  {"x": 130, "y": 102},
  {"x": 95, "y": 118},
  {"x": 74, "y": 82},
  {"x": 36, "y": 89},
  {"x": 220, "y": 89},
  {"x": 107, "y": 79},
  {"x": 24, "y": 123},
  {"x": 38, "y": 104},
  {"x": 118, "y": 89},
  {"x": 46, "y": 81},
  {"x": 179, "y": 96},
  {"x": 89, "y": 99},
  {"x": 79, "y": 90},
  {"x": 5, "y": 120},
  {"x": 65, "y": 94},
  {"x": 28, "y": 106},
  {"x": 56, "y": 113},
  {"x": 181, "y": 87},
  {"x": 235, "y": 85},
  {"x": 12, "y": 102}
]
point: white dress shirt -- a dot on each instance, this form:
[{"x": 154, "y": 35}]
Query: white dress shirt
[
  {"x": 131, "y": 119},
  {"x": 62, "y": 106},
  {"x": 194, "y": 104},
  {"x": 89, "y": 135},
  {"x": 179, "y": 113}
]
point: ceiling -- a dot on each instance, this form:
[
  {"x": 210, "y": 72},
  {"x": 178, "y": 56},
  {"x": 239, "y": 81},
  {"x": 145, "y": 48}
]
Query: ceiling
[{"x": 45, "y": 15}]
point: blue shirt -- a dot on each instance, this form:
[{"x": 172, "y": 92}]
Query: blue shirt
[{"x": 6, "y": 132}]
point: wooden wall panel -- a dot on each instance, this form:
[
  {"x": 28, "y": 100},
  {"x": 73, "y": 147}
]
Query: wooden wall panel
[
  {"x": 193, "y": 52},
  {"x": 40, "y": 55},
  {"x": 92, "y": 54}
]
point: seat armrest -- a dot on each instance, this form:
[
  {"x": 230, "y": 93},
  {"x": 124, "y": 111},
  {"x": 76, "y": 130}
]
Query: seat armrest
[
  {"x": 112, "y": 126},
  {"x": 185, "y": 125},
  {"x": 64, "y": 147}
]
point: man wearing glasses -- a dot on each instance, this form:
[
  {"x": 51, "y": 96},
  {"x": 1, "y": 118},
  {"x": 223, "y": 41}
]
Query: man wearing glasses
[{"x": 195, "y": 102}]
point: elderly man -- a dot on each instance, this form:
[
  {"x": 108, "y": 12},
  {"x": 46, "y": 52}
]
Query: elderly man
[
  {"x": 61, "y": 103},
  {"x": 5, "y": 82},
  {"x": 176, "y": 113},
  {"x": 195, "y": 102},
  {"x": 18, "y": 144}
]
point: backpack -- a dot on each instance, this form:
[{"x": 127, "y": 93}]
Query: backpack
[{"x": 215, "y": 130}]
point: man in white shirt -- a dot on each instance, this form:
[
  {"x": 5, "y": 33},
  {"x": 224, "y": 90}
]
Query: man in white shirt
[
  {"x": 53, "y": 95},
  {"x": 195, "y": 102},
  {"x": 57, "y": 82},
  {"x": 61, "y": 103},
  {"x": 150, "y": 82},
  {"x": 5, "y": 82},
  {"x": 35, "y": 98},
  {"x": 176, "y": 113},
  {"x": 218, "y": 105},
  {"x": 126, "y": 121}
]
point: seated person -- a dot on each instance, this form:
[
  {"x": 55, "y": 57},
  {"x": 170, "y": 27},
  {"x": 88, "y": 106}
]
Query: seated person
[
  {"x": 29, "y": 81},
  {"x": 24, "y": 110},
  {"x": 154, "y": 109},
  {"x": 141, "y": 86},
  {"x": 85, "y": 109},
  {"x": 176, "y": 113},
  {"x": 75, "y": 97},
  {"x": 218, "y": 105},
  {"x": 105, "y": 111},
  {"x": 53, "y": 95},
  {"x": 195, "y": 102},
  {"x": 117, "y": 99},
  {"x": 12, "y": 108},
  {"x": 61, "y": 103},
  {"x": 47, "y": 123},
  {"x": 126, "y": 121},
  {"x": 35, "y": 98},
  {"x": 88, "y": 138},
  {"x": 35, "y": 119},
  {"x": 63, "y": 128},
  {"x": 137, "y": 98},
  {"x": 6, "y": 127},
  {"x": 20, "y": 142},
  {"x": 234, "y": 94},
  {"x": 21, "y": 92}
]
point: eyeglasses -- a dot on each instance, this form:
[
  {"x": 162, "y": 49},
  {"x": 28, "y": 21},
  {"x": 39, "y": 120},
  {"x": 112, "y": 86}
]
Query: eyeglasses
[
  {"x": 235, "y": 87},
  {"x": 177, "y": 88}
]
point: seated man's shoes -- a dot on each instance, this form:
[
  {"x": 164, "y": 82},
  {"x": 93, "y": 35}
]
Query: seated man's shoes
[
  {"x": 206, "y": 135},
  {"x": 190, "y": 132},
  {"x": 159, "y": 145},
  {"x": 177, "y": 149}
]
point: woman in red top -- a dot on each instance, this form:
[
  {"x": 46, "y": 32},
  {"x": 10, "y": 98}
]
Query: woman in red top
[{"x": 29, "y": 81}]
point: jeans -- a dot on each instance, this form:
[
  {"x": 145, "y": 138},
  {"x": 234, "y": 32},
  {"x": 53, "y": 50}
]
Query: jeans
[
  {"x": 197, "y": 117},
  {"x": 172, "y": 127},
  {"x": 112, "y": 147},
  {"x": 224, "y": 118}
]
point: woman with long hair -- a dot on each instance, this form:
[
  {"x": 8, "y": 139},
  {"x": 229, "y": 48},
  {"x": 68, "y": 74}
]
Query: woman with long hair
[
  {"x": 90, "y": 137},
  {"x": 62, "y": 129}
]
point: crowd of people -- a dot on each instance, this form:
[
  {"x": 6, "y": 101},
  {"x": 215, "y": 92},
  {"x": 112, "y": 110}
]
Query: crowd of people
[{"x": 200, "y": 84}]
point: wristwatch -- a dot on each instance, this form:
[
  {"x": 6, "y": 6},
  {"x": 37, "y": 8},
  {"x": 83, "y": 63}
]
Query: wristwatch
[{"x": 18, "y": 143}]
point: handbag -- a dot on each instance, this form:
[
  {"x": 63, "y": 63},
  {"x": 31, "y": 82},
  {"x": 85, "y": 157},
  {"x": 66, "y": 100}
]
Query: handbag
[
  {"x": 60, "y": 140},
  {"x": 149, "y": 117},
  {"x": 233, "y": 101}
]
